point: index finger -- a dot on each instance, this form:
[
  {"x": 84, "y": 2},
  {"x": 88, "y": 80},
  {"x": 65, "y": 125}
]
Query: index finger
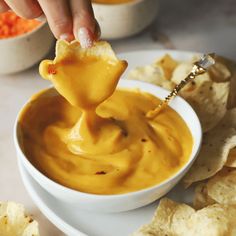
[
  {"x": 59, "y": 17},
  {"x": 3, "y": 6},
  {"x": 25, "y": 8}
]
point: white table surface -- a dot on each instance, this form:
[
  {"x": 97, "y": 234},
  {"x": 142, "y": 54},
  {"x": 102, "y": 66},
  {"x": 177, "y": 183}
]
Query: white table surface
[{"x": 194, "y": 25}]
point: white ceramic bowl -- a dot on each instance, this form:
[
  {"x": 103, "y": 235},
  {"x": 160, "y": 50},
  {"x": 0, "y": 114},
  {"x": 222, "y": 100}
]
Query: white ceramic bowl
[
  {"x": 127, "y": 201},
  {"x": 23, "y": 51},
  {"x": 125, "y": 19}
]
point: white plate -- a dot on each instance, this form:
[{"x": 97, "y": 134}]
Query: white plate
[{"x": 76, "y": 222}]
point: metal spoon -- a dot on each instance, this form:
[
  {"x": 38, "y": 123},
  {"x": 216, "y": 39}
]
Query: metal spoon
[{"x": 199, "y": 68}]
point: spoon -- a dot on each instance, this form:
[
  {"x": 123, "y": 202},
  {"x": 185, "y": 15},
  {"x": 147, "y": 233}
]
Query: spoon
[{"x": 199, "y": 67}]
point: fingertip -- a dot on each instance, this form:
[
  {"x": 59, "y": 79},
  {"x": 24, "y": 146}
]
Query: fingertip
[
  {"x": 86, "y": 37},
  {"x": 66, "y": 36}
]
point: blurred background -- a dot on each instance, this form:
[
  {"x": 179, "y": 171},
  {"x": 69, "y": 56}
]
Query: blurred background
[
  {"x": 195, "y": 25},
  {"x": 202, "y": 26}
]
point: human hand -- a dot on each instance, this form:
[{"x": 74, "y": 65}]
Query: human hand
[{"x": 68, "y": 19}]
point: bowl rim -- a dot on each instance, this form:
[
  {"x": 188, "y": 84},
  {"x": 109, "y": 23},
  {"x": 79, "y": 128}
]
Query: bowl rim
[
  {"x": 25, "y": 35},
  {"x": 129, "y": 3},
  {"x": 122, "y": 84}
]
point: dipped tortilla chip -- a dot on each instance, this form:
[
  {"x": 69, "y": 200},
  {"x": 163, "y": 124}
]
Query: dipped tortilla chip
[
  {"x": 85, "y": 77},
  {"x": 14, "y": 222},
  {"x": 175, "y": 219},
  {"x": 215, "y": 149}
]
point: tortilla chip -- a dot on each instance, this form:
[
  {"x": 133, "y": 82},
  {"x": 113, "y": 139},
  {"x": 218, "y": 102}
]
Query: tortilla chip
[
  {"x": 150, "y": 230},
  {"x": 175, "y": 219},
  {"x": 169, "y": 217},
  {"x": 214, "y": 220},
  {"x": 169, "y": 214},
  {"x": 182, "y": 71},
  {"x": 231, "y": 160},
  {"x": 153, "y": 74},
  {"x": 214, "y": 151},
  {"x": 219, "y": 72},
  {"x": 209, "y": 101},
  {"x": 14, "y": 222},
  {"x": 168, "y": 64},
  {"x": 100, "y": 49},
  {"x": 201, "y": 197},
  {"x": 222, "y": 187},
  {"x": 82, "y": 88},
  {"x": 231, "y": 103},
  {"x": 207, "y": 98}
]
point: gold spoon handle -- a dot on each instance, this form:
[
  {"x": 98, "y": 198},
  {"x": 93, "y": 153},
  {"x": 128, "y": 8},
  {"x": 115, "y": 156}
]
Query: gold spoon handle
[{"x": 199, "y": 68}]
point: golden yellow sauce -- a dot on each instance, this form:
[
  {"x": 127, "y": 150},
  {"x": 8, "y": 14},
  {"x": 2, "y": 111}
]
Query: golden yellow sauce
[
  {"x": 95, "y": 140},
  {"x": 85, "y": 82},
  {"x": 112, "y": 1},
  {"x": 144, "y": 154}
]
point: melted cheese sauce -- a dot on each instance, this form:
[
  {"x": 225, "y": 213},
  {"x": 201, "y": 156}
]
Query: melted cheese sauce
[
  {"x": 89, "y": 138},
  {"x": 129, "y": 153}
]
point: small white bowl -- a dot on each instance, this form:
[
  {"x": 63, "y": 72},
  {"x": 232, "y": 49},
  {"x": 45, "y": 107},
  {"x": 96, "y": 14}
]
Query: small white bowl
[
  {"x": 127, "y": 201},
  {"x": 125, "y": 19},
  {"x": 23, "y": 51}
]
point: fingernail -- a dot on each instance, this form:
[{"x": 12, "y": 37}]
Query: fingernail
[
  {"x": 41, "y": 18},
  {"x": 84, "y": 37},
  {"x": 67, "y": 37}
]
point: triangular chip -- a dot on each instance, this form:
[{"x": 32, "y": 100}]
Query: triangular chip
[
  {"x": 201, "y": 197},
  {"x": 231, "y": 160},
  {"x": 176, "y": 219},
  {"x": 168, "y": 215},
  {"x": 219, "y": 72},
  {"x": 216, "y": 146},
  {"x": 182, "y": 71},
  {"x": 168, "y": 64},
  {"x": 14, "y": 221},
  {"x": 222, "y": 187},
  {"x": 209, "y": 100},
  {"x": 154, "y": 74},
  {"x": 85, "y": 77}
]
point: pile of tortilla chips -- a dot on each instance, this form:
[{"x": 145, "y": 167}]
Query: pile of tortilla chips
[
  {"x": 14, "y": 221},
  {"x": 214, "y": 170},
  {"x": 176, "y": 219}
]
